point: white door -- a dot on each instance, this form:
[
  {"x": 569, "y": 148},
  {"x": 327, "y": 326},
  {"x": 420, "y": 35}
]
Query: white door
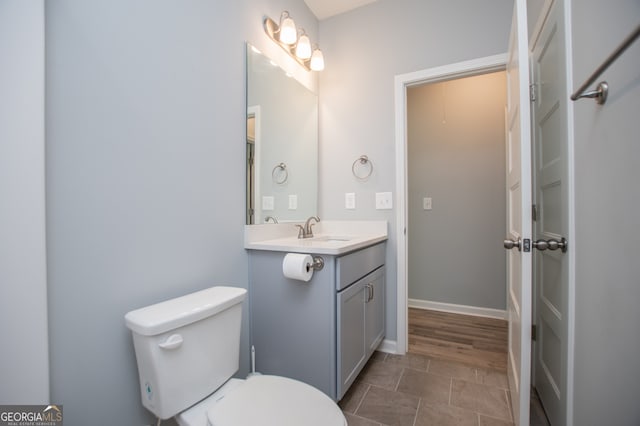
[
  {"x": 551, "y": 224},
  {"x": 519, "y": 216}
]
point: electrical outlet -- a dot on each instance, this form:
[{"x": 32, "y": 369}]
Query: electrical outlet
[
  {"x": 350, "y": 200},
  {"x": 384, "y": 200}
]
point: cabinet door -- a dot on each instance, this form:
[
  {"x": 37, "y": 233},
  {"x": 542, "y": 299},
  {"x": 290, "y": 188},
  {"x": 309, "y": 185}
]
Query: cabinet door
[
  {"x": 351, "y": 341},
  {"x": 374, "y": 310}
]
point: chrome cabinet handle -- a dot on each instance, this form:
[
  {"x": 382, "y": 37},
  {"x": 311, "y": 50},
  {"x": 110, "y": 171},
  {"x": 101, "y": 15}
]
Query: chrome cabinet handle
[
  {"x": 509, "y": 244},
  {"x": 551, "y": 244},
  {"x": 369, "y": 288}
]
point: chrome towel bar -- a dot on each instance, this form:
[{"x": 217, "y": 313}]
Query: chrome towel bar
[{"x": 600, "y": 94}]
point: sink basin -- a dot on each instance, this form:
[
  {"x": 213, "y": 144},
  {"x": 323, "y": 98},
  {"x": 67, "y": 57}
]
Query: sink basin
[{"x": 331, "y": 239}]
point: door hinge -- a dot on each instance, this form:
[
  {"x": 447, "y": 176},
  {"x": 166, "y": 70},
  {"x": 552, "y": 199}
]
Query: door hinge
[
  {"x": 532, "y": 92},
  {"x": 534, "y": 213},
  {"x": 534, "y": 332}
]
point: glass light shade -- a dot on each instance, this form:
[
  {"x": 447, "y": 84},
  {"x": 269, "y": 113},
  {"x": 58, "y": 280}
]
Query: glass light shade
[
  {"x": 303, "y": 48},
  {"x": 288, "y": 32},
  {"x": 317, "y": 60}
]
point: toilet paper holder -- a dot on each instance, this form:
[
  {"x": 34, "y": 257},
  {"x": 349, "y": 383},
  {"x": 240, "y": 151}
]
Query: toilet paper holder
[{"x": 317, "y": 265}]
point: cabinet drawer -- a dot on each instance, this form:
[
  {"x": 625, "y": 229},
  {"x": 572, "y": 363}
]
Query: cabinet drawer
[{"x": 356, "y": 265}]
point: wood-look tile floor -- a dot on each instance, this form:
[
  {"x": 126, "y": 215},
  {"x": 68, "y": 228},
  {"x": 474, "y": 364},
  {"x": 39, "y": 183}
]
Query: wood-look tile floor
[
  {"x": 454, "y": 374},
  {"x": 465, "y": 338}
]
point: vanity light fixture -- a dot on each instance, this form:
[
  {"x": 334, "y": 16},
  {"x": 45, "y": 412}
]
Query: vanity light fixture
[
  {"x": 288, "y": 33},
  {"x": 317, "y": 60},
  {"x": 299, "y": 48},
  {"x": 303, "y": 48}
]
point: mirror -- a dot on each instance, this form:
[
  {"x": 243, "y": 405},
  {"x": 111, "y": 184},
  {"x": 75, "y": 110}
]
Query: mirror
[{"x": 282, "y": 144}]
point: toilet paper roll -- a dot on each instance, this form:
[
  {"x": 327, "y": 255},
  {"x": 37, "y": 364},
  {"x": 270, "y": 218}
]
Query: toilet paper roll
[{"x": 297, "y": 266}]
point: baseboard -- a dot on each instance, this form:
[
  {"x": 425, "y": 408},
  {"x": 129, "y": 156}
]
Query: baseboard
[
  {"x": 458, "y": 309},
  {"x": 388, "y": 346}
]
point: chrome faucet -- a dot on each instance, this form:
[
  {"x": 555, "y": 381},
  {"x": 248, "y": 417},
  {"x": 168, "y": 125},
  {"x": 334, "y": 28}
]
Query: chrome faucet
[
  {"x": 306, "y": 231},
  {"x": 268, "y": 218}
]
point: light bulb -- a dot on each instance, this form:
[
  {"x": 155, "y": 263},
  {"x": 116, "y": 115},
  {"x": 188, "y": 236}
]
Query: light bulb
[
  {"x": 303, "y": 48},
  {"x": 317, "y": 60},
  {"x": 288, "y": 32}
]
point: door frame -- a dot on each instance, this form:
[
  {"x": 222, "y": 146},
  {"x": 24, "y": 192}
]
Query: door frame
[
  {"x": 469, "y": 68},
  {"x": 255, "y": 112}
]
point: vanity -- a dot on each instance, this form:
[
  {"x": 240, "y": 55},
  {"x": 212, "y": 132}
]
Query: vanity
[{"x": 322, "y": 331}]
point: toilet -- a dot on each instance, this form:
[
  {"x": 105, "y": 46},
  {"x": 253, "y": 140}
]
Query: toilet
[{"x": 188, "y": 349}]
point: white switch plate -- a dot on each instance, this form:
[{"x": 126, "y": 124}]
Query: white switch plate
[
  {"x": 426, "y": 203},
  {"x": 350, "y": 200},
  {"x": 268, "y": 202},
  {"x": 384, "y": 200},
  {"x": 293, "y": 201}
]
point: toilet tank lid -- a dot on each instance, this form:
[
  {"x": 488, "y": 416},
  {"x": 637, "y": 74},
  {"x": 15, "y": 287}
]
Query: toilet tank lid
[{"x": 178, "y": 312}]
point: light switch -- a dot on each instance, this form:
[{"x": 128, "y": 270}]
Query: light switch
[
  {"x": 384, "y": 200},
  {"x": 350, "y": 200},
  {"x": 293, "y": 201},
  {"x": 426, "y": 203},
  {"x": 268, "y": 202}
]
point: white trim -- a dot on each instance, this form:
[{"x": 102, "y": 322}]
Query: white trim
[
  {"x": 571, "y": 225},
  {"x": 476, "y": 311},
  {"x": 402, "y": 338},
  {"x": 401, "y": 82},
  {"x": 388, "y": 346},
  {"x": 257, "y": 155}
]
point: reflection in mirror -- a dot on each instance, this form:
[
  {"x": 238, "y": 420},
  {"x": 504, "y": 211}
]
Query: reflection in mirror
[{"x": 282, "y": 144}]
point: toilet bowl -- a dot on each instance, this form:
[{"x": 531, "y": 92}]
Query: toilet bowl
[
  {"x": 264, "y": 401},
  {"x": 187, "y": 350}
]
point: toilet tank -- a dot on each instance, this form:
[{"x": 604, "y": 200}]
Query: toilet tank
[{"x": 186, "y": 347}]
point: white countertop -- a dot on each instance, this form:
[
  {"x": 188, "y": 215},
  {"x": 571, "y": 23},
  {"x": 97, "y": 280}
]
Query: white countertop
[{"x": 330, "y": 237}]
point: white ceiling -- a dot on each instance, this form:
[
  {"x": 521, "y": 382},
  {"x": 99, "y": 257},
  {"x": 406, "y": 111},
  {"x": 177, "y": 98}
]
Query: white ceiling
[{"x": 326, "y": 8}]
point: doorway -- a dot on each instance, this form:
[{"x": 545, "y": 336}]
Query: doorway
[
  {"x": 402, "y": 83},
  {"x": 456, "y": 197}
]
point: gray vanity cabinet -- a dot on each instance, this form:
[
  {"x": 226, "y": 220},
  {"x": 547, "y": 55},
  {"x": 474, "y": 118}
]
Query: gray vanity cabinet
[
  {"x": 361, "y": 326},
  {"x": 360, "y": 310},
  {"x": 374, "y": 312},
  {"x": 321, "y": 332}
]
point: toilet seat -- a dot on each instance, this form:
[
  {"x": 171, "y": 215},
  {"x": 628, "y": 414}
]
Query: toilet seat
[{"x": 275, "y": 401}]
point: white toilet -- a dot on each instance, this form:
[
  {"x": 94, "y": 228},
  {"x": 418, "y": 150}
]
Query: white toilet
[{"x": 187, "y": 351}]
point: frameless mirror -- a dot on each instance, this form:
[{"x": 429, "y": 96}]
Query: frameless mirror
[{"x": 282, "y": 144}]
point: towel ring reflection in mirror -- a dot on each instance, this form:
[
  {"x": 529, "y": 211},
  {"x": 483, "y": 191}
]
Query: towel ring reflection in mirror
[
  {"x": 362, "y": 168},
  {"x": 279, "y": 174}
]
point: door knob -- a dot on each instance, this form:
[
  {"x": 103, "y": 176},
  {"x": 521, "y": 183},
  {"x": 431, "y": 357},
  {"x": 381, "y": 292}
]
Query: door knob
[
  {"x": 509, "y": 244},
  {"x": 551, "y": 244}
]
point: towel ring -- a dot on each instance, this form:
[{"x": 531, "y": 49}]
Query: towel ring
[
  {"x": 279, "y": 174},
  {"x": 363, "y": 160}
]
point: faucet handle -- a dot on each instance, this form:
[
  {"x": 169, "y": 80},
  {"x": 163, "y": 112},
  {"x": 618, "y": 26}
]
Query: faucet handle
[
  {"x": 310, "y": 230},
  {"x": 300, "y": 231}
]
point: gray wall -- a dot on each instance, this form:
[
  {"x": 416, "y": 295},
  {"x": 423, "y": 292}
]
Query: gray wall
[
  {"x": 364, "y": 50},
  {"x": 24, "y": 357},
  {"x": 145, "y": 116},
  {"x": 607, "y": 156},
  {"x": 454, "y": 251}
]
